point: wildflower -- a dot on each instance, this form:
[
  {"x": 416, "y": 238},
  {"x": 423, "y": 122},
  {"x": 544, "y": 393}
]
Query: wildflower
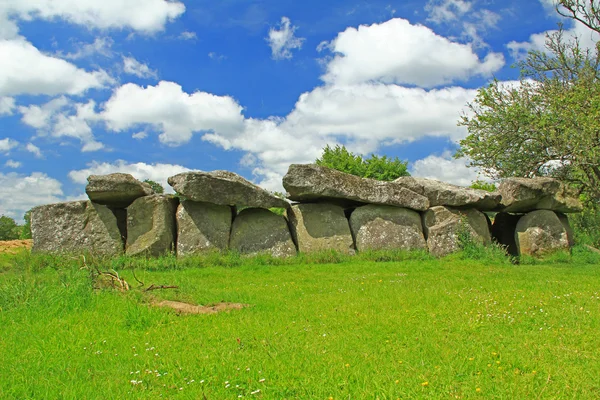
[
  {"x": 425, "y": 384},
  {"x": 261, "y": 380},
  {"x": 255, "y": 392},
  {"x": 478, "y": 390}
]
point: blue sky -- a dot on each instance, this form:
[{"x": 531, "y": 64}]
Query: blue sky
[{"x": 154, "y": 88}]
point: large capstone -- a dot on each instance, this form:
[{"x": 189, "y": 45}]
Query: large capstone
[
  {"x": 75, "y": 228},
  {"x": 320, "y": 226},
  {"x": 503, "y": 231},
  {"x": 445, "y": 194},
  {"x": 445, "y": 227},
  {"x": 224, "y": 188},
  {"x": 312, "y": 183},
  {"x": 151, "y": 227},
  {"x": 116, "y": 190},
  {"x": 521, "y": 195},
  {"x": 542, "y": 232},
  {"x": 202, "y": 227},
  {"x": 377, "y": 227},
  {"x": 260, "y": 231}
]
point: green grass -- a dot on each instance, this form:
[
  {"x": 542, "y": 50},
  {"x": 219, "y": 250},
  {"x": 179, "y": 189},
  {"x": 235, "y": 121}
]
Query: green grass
[{"x": 376, "y": 326}]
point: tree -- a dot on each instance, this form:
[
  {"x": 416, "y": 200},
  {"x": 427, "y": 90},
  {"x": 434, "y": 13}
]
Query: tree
[
  {"x": 548, "y": 123},
  {"x": 157, "y": 187},
  {"x": 26, "y": 228},
  {"x": 380, "y": 168},
  {"x": 9, "y": 230}
]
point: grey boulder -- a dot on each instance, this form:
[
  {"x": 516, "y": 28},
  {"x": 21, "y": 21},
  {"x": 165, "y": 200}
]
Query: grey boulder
[
  {"x": 542, "y": 232},
  {"x": 521, "y": 195},
  {"x": 151, "y": 226},
  {"x": 320, "y": 226},
  {"x": 76, "y": 227},
  {"x": 445, "y": 194},
  {"x": 260, "y": 231},
  {"x": 116, "y": 190},
  {"x": 224, "y": 188},
  {"x": 444, "y": 225},
  {"x": 377, "y": 227},
  {"x": 311, "y": 183},
  {"x": 202, "y": 227}
]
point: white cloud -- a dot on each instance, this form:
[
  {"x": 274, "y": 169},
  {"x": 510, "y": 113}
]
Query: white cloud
[
  {"x": 7, "y": 105},
  {"x": 146, "y": 16},
  {"x": 33, "y": 149},
  {"x": 186, "y": 35},
  {"x": 12, "y": 164},
  {"x": 22, "y": 192},
  {"x": 7, "y": 145},
  {"x": 101, "y": 46},
  {"x": 156, "y": 172},
  {"x": 60, "y": 118},
  {"x": 171, "y": 111},
  {"x": 398, "y": 52},
  {"x": 446, "y": 169},
  {"x": 441, "y": 11},
  {"x": 283, "y": 40},
  {"x": 134, "y": 67},
  {"x": 140, "y": 135},
  {"x": 43, "y": 74}
]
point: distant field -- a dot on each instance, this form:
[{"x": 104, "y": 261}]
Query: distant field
[{"x": 348, "y": 329}]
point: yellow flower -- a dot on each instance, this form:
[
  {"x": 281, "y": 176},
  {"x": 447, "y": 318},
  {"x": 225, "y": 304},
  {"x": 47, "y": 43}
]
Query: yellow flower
[
  {"x": 478, "y": 390},
  {"x": 347, "y": 365},
  {"x": 397, "y": 381},
  {"x": 425, "y": 384}
]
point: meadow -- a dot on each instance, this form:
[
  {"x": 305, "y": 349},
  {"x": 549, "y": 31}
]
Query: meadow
[{"x": 374, "y": 326}]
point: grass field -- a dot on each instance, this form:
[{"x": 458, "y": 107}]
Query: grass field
[{"x": 350, "y": 328}]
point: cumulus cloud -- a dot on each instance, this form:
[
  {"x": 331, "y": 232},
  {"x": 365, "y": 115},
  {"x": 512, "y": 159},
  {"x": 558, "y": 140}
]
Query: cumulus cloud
[
  {"x": 446, "y": 169},
  {"x": 44, "y": 74},
  {"x": 134, "y": 67},
  {"x": 62, "y": 118},
  {"x": 145, "y": 16},
  {"x": 169, "y": 110},
  {"x": 12, "y": 164},
  {"x": 7, "y": 105},
  {"x": 441, "y": 11},
  {"x": 399, "y": 52},
  {"x": 156, "y": 172},
  {"x": 33, "y": 149},
  {"x": 21, "y": 192},
  {"x": 100, "y": 46},
  {"x": 7, "y": 144},
  {"x": 283, "y": 40}
]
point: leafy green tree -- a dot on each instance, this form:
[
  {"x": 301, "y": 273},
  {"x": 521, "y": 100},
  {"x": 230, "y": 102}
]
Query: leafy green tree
[
  {"x": 548, "y": 123},
  {"x": 375, "y": 167},
  {"x": 483, "y": 185},
  {"x": 157, "y": 187},
  {"x": 26, "y": 228},
  {"x": 9, "y": 230}
]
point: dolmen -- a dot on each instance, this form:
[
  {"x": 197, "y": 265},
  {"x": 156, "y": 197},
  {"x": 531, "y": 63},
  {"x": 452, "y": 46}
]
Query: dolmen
[{"x": 325, "y": 210}]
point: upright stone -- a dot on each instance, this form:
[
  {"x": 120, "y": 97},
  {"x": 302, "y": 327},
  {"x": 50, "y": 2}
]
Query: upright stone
[
  {"x": 312, "y": 183},
  {"x": 503, "y": 231},
  {"x": 320, "y": 226},
  {"x": 224, "y": 188},
  {"x": 257, "y": 230},
  {"x": 116, "y": 190},
  {"x": 542, "y": 232},
  {"x": 522, "y": 195},
  {"x": 151, "y": 226},
  {"x": 202, "y": 226},
  {"x": 445, "y": 194},
  {"x": 442, "y": 226},
  {"x": 75, "y": 228},
  {"x": 377, "y": 227}
]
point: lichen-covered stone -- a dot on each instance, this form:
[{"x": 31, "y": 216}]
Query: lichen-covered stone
[
  {"x": 445, "y": 194},
  {"x": 522, "y": 195},
  {"x": 224, "y": 188},
  {"x": 503, "y": 231},
  {"x": 377, "y": 227},
  {"x": 75, "y": 228},
  {"x": 151, "y": 226},
  {"x": 258, "y": 230},
  {"x": 312, "y": 183},
  {"x": 202, "y": 226},
  {"x": 442, "y": 226},
  {"x": 320, "y": 226},
  {"x": 116, "y": 190},
  {"x": 542, "y": 232}
]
